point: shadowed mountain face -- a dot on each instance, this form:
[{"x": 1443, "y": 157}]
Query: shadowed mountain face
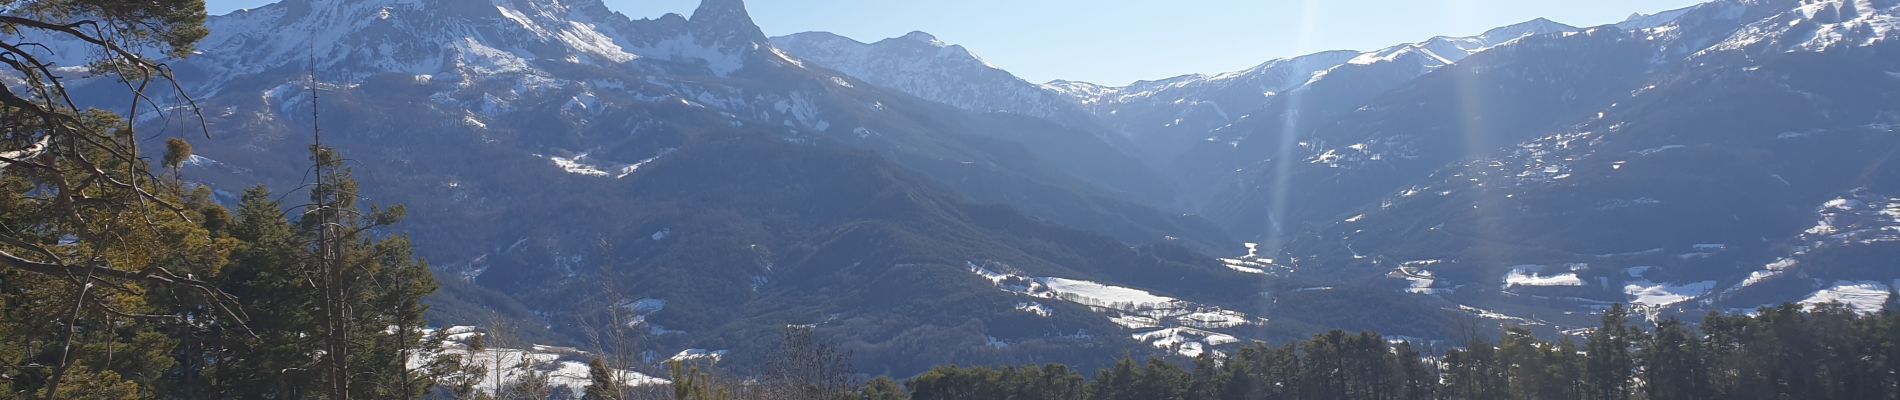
[
  {"x": 1718, "y": 157},
  {"x": 921, "y": 206},
  {"x": 562, "y": 161}
]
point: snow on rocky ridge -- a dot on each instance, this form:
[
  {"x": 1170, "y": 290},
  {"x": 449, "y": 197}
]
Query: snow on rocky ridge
[
  {"x": 1820, "y": 25},
  {"x": 921, "y": 65},
  {"x": 443, "y": 41},
  {"x": 1280, "y": 76}
]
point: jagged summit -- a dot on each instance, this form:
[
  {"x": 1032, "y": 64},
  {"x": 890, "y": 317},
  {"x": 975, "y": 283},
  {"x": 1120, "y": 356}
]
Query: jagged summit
[
  {"x": 729, "y": 16},
  {"x": 461, "y": 38}
]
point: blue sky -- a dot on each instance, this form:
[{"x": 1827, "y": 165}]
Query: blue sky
[{"x": 1120, "y": 41}]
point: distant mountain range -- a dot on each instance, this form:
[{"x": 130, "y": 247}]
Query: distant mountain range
[{"x": 921, "y": 206}]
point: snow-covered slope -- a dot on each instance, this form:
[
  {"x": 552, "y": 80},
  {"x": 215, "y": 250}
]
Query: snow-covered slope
[
  {"x": 1819, "y": 26},
  {"x": 1168, "y": 117},
  {"x": 1716, "y": 158},
  {"x": 923, "y": 66},
  {"x": 525, "y": 134},
  {"x": 455, "y": 40}
]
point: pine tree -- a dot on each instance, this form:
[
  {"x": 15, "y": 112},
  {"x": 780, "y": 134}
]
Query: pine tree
[
  {"x": 267, "y": 280},
  {"x": 693, "y": 383},
  {"x": 1473, "y": 373},
  {"x": 602, "y": 382},
  {"x": 1419, "y": 380},
  {"x": 1672, "y": 363},
  {"x": 1528, "y": 366},
  {"x": 1116, "y": 382},
  {"x": 1160, "y": 380},
  {"x": 1610, "y": 365},
  {"x": 96, "y": 254}
]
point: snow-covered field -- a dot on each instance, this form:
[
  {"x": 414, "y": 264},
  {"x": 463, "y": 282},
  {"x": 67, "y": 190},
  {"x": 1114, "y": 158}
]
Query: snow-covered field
[
  {"x": 1418, "y": 279},
  {"x": 1253, "y": 262},
  {"x": 1863, "y": 296},
  {"x": 1164, "y": 322},
  {"x": 1532, "y": 275},
  {"x": 1649, "y": 294},
  {"x": 563, "y": 366},
  {"x": 1185, "y": 341}
]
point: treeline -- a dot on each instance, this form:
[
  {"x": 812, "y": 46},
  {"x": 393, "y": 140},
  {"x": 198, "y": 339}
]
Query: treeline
[
  {"x": 1787, "y": 352},
  {"x": 121, "y": 280}
]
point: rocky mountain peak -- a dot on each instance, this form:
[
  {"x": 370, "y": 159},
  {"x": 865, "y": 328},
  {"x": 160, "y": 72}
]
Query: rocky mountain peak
[{"x": 729, "y": 18}]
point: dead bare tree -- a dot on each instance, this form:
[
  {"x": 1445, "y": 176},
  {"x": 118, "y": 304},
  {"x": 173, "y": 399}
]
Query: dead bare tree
[
  {"x": 807, "y": 368},
  {"x": 611, "y": 325}
]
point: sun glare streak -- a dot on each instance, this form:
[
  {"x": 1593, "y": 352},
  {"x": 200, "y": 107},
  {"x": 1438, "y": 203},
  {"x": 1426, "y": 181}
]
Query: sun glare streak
[
  {"x": 1474, "y": 138},
  {"x": 1283, "y": 165}
]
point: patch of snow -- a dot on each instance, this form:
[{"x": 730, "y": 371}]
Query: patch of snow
[
  {"x": 563, "y": 366},
  {"x": 1655, "y": 150},
  {"x": 698, "y": 354},
  {"x": 1864, "y": 296},
  {"x": 635, "y": 167},
  {"x": 1842, "y": 205},
  {"x": 1242, "y": 266},
  {"x": 200, "y": 161},
  {"x": 1187, "y": 342},
  {"x": 1135, "y": 321},
  {"x": 995, "y": 343},
  {"x": 1644, "y": 293},
  {"x": 1419, "y": 280},
  {"x": 646, "y": 306},
  {"x": 1096, "y": 294},
  {"x": 575, "y": 166},
  {"x": 1034, "y": 308},
  {"x": 661, "y": 234},
  {"x": 1181, "y": 324},
  {"x": 1530, "y": 275},
  {"x": 1488, "y": 314},
  {"x": 1213, "y": 319}
]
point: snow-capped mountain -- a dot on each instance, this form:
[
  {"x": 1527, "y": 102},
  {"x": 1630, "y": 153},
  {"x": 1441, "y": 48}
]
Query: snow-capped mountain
[
  {"x": 465, "y": 40},
  {"x": 921, "y": 65},
  {"x": 551, "y": 150},
  {"x": 1706, "y": 161},
  {"x": 1165, "y": 116},
  {"x": 926, "y": 207},
  {"x": 1819, "y": 26},
  {"x": 1169, "y": 116}
]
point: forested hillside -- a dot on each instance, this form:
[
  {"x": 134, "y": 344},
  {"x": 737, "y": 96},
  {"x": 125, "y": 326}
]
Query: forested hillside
[
  {"x": 1787, "y": 352},
  {"x": 245, "y": 206}
]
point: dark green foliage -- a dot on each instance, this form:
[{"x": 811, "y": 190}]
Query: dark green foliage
[
  {"x": 1611, "y": 364},
  {"x": 884, "y": 388},
  {"x": 602, "y": 384},
  {"x": 1828, "y": 352}
]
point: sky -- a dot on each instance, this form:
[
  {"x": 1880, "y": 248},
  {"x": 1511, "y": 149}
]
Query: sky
[{"x": 1116, "y": 42}]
